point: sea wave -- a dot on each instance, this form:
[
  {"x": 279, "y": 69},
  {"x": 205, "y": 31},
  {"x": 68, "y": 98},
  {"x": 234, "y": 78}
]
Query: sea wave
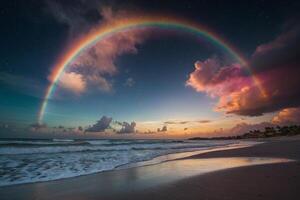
[
  {"x": 33, "y": 163},
  {"x": 84, "y": 146}
]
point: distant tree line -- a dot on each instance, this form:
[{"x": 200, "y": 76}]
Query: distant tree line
[{"x": 266, "y": 133}]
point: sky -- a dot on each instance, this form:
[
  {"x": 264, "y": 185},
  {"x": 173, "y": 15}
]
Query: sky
[{"x": 239, "y": 72}]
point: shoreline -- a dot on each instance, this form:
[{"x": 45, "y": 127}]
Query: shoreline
[
  {"x": 140, "y": 182},
  {"x": 183, "y": 155},
  {"x": 156, "y": 160}
]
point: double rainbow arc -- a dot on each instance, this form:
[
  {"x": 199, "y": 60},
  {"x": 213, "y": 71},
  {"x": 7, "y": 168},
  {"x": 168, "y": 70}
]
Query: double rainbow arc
[{"x": 108, "y": 30}]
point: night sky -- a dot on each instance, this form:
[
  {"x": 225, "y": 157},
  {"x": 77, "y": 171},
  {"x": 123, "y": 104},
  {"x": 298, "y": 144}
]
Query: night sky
[{"x": 151, "y": 82}]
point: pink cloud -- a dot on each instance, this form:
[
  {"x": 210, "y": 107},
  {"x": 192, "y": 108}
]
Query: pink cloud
[
  {"x": 287, "y": 116},
  {"x": 227, "y": 83},
  {"x": 275, "y": 65},
  {"x": 73, "y": 82},
  {"x": 237, "y": 93},
  {"x": 97, "y": 64},
  {"x": 203, "y": 74},
  {"x": 216, "y": 80},
  {"x": 101, "y": 57},
  {"x": 100, "y": 82},
  {"x": 281, "y": 86}
]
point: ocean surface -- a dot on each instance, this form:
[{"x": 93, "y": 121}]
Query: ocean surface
[{"x": 26, "y": 161}]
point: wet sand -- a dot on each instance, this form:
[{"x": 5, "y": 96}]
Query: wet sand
[{"x": 265, "y": 171}]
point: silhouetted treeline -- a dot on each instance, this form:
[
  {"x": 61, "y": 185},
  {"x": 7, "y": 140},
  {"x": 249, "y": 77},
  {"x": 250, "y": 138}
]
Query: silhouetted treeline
[{"x": 266, "y": 133}]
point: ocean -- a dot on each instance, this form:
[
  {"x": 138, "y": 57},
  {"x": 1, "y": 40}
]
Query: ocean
[{"x": 27, "y": 161}]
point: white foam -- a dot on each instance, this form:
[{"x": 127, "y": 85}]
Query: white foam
[{"x": 33, "y": 164}]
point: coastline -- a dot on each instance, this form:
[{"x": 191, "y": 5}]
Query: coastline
[
  {"x": 262, "y": 181},
  {"x": 168, "y": 156}
]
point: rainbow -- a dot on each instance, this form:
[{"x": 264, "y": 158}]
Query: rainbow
[{"x": 107, "y": 30}]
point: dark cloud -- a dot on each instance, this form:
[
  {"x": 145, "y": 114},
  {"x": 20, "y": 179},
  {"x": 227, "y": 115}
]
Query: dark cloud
[
  {"x": 204, "y": 121},
  {"x": 101, "y": 125},
  {"x": 38, "y": 126},
  {"x": 186, "y": 122},
  {"x": 127, "y": 128},
  {"x": 276, "y": 67},
  {"x": 149, "y": 132},
  {"x": 163, "y": 129},
  {"x": 282, "y": 51},
  {"x": 176, "y": 122},
  {"x": 78, "y": 15}
]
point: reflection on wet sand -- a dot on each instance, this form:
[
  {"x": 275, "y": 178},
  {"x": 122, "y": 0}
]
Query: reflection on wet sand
[
  {"x": 179, "y": 169},
  {"x": 137, "y": 179}
]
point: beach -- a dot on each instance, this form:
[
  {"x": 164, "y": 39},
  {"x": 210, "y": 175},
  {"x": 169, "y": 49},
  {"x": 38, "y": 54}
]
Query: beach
[
  {"x": 149, "y": 100},
  {"x": 268, "y": 170}
]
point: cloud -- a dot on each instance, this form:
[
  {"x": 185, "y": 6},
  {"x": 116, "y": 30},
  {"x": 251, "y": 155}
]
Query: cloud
[
  {"x": 98, "y": 62},
  {"x": 274, "y": 64},
  {"x": 216, "y": 80},
  {"x": 116, "y": 126},
  {"x": 282, "y": 51},
  {"x": 127, "y": 128},
  {"x": 176, "y": 122},
  {"x": 149, "y": 132},
  {"x": 96, "y": 65},
  {"x": 72, "y": 81},
  {"x": 77, "y": 15},
  {"x": 100, "y": 125},
  {"x": 37, "y": 127},
  {"x": 163, "y": 129},
  {"x": 99, "y": 82},
  {"x": 129, "y": 82},
  {"x": 287, "y": 116},
  {"x": 80, "y": 128},
  {"x": 186, "y": 122},
  {"x": 204, "y": 121}
]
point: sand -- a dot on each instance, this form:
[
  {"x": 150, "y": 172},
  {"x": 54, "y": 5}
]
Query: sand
[{"x": 266, "y": 171}]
